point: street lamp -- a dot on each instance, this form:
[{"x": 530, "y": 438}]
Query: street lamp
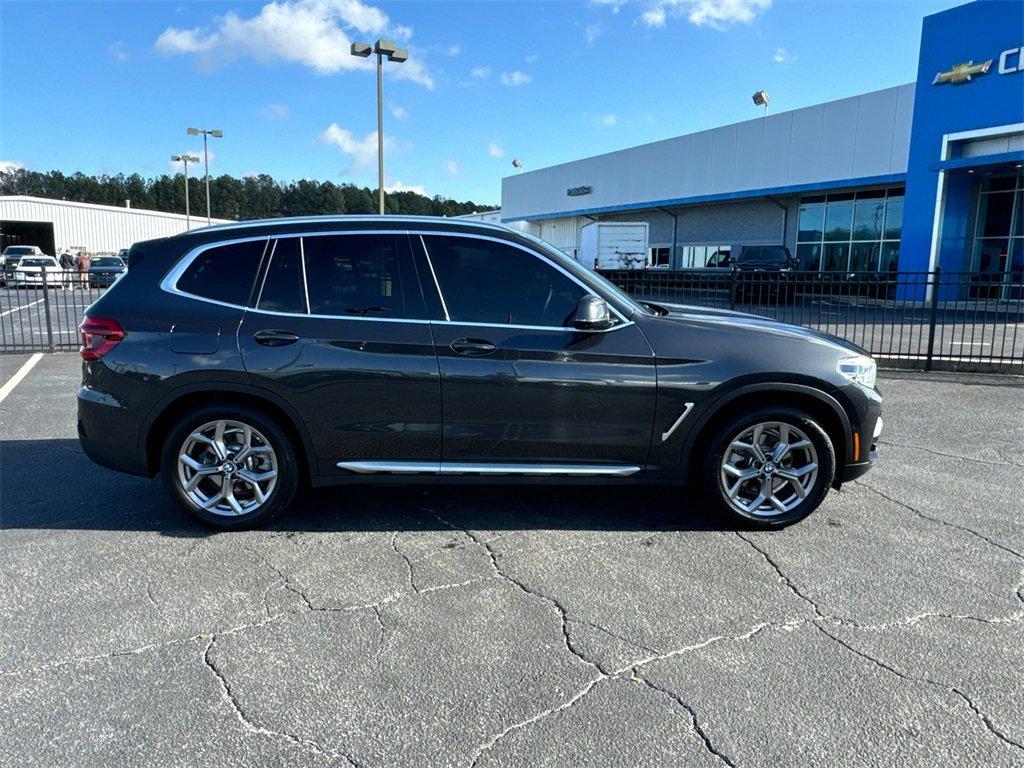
[
  {"x": 185, "y": 160},
  {"x": 383, "y": 48},
  {"x": 518, "y": 164},
  {"x": 206, "y": 157},
  {"x": 761, "y": 99}
]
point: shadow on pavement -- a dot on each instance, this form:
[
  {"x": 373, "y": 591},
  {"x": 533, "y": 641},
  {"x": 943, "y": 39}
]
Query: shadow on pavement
[{"x": 51, "y": 484}]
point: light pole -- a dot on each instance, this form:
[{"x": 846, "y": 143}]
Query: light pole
[
  {"x": 185, "y": 160},
  {"x": 383, "y": 48},
  {"x": 206, "y": 160}
]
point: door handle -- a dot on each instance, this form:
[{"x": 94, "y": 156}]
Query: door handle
[
  {"x": 472, "y": 347},
  {"x": 275, "y": 338}
]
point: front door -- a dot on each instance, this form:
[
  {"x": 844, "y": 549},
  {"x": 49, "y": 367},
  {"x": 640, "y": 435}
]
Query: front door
[
  {"x": 339, "y": 331},
  {"x": 519, "y": 385}
]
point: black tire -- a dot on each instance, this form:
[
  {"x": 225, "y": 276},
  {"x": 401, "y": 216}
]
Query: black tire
[
  {"x": 283, "y": 451},
  {"x": 711, "y": 472}
]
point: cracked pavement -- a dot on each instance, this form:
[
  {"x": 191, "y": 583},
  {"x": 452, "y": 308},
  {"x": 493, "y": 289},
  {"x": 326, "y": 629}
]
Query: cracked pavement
[{"x": 498, "y": 626}]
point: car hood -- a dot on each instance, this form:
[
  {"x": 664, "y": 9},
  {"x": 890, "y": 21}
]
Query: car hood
[{"x": 739, "y": 324}]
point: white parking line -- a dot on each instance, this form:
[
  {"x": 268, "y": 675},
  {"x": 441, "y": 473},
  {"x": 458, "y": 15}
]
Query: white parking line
[
  {"x": 20, "y": 374},
  {"x": 23, "y": 306}
]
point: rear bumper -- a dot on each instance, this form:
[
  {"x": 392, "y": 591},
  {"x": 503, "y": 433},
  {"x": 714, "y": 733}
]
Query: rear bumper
[{"x": 109, "y": 434}]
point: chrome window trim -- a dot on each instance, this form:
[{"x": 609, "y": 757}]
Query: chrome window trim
[
  {"x": 302, "y": 265},
  {"x": 433, "y": 274},
  {"x": 170, "y": 280},
  {"x": 486, "y": 468}
]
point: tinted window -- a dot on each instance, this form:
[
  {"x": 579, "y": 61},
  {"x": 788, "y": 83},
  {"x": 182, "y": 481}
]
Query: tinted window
[
  {"x": 225, "y": 273},
  {"x": 769, "y": 254},
  {"x": 354, "y": 275},
  {"x": 489, "y": 282},
  {"x": 282, "y": 287}
]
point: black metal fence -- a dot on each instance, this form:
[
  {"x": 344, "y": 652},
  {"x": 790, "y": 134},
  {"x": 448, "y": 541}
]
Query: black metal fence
[
  {"x": 949, "y": 320},
  {"x": 926, "y": 320},
  {"x": 41, "y": 314}
]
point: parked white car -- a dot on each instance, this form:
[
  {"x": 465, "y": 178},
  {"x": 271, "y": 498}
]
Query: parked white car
[{"x": 32, "y": 270}]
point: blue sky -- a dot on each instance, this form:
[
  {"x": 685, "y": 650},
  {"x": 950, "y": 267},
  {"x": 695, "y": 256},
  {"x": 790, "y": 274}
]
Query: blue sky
[{"x": 111, "y": 87}]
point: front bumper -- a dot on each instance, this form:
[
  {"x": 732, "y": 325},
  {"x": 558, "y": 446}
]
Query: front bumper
[{"x": 859, "y": 468}]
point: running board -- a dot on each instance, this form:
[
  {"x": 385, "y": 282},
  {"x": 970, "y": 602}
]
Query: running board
[{"x": 475, "y": 468}]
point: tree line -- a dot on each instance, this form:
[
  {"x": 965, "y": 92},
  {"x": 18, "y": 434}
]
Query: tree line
[{"x": 252, "y": 197}]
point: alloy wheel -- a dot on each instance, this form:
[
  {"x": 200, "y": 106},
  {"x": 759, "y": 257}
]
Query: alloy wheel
[
  {"x": 768, "y": 469},
  {"x": 227, "y": 468}
]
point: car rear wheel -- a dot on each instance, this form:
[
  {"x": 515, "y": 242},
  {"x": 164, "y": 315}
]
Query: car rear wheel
[
  {"x": 231, "y": 467},
  {"x": 769, "y": 468}
]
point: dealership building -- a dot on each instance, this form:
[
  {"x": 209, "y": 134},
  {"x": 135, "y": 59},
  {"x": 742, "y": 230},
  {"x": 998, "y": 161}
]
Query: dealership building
[
  {"x": 56, "y": 225},
  {"x": 911, "y": 177}
]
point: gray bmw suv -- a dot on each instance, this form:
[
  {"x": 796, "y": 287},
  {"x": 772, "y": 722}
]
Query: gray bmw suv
[{"x": 242, "y": 362}]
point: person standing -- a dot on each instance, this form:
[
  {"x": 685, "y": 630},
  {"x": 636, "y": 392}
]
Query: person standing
[
  {"x": 83, "y": 268},
  {"x": 67, "y": 263}
]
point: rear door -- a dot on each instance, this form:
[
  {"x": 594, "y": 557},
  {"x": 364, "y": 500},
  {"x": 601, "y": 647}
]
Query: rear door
[
  {"x": 519, "y": 385},
  {"x": 339, "y": 331}
]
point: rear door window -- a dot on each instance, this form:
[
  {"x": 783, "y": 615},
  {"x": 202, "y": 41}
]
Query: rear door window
[
  {"x": 224, "y": 273},
  {"x": 283, "y": 288},
  {"x": 355, "y": 276}
]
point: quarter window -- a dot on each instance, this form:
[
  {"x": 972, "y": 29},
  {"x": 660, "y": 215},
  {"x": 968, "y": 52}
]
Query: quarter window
[
  {"x": 354, "y": 275},
  {"x": 225, "y": 273},
  {"x": 483, "y": 281}
]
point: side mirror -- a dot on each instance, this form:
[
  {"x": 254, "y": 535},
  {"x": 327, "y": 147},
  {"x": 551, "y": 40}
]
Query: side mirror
[{"x": 591, "y": 314}]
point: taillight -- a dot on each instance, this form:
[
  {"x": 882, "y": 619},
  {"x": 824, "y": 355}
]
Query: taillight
[{"x": 99, "y": 336}]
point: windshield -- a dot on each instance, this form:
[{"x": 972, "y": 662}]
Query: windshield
[
  {"x": 38, "y": 263},
  {"x": 579, "y": 271},
  {"x": 107, "y": 261},
  {"x": 773, "y": 254},
  {"x": 18, "y": 250}
]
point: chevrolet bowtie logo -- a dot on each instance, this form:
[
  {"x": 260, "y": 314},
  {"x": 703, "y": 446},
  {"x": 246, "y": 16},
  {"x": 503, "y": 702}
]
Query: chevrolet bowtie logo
[{"x": 962, "y": 73}]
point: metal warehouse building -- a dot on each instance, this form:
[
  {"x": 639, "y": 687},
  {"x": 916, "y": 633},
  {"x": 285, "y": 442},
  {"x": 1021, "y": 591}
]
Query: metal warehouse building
[
  {"x": 910, "y": 177},
  {"x": 54, "y": 225}
]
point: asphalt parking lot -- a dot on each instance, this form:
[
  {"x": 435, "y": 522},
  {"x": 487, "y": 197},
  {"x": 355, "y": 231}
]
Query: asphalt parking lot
[{"x": 519, "y": 626}]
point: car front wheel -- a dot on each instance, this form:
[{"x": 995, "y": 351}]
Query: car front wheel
[
  {"x": 769, "y": 468},
  {"x": 231, "y": 467}
]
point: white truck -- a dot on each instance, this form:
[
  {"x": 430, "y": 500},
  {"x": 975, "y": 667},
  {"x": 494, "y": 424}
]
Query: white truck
[{"x": 614, "y": 244}]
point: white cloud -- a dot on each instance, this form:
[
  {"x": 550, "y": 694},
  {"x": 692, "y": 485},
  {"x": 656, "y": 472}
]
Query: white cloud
[
  {"x": 480, "y": 73},
  {"x": 453, "y": 168},
  {"x": 516, "y": 78},
  {"x": 398, "y": 186},
  {"x": 782, "y": 56},
  {"x": 276, "y": 112},
  {"x": 10, "y": 165},
  {"x": 452, "y": 50},
  {"x": 494, "y": 149},
  {"x": 398, "y": 111},
  {"x": 718, "y": 14},
  {"x": 593, "y": 31},
  {"x": 117, "y": 52},
  {"x": 609, "y": 120},
  {"x": 362, "y": 152},
  {"x": 314, "y": 33},
  {"x": 531, "y": 58}
]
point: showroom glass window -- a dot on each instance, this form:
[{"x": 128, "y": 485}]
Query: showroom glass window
[
  {"x": 485, "y": 281},
  {"x": 998, "y": 248},
  {"x": 851, "y": 231}
]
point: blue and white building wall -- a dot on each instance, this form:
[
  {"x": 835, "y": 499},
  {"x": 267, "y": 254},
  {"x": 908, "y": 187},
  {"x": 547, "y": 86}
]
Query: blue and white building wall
[{"x": 892, "y": 179}]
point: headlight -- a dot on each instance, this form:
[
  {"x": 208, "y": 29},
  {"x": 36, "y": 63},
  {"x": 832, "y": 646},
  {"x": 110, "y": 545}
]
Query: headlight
[{"x": 861, "y": 369}]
